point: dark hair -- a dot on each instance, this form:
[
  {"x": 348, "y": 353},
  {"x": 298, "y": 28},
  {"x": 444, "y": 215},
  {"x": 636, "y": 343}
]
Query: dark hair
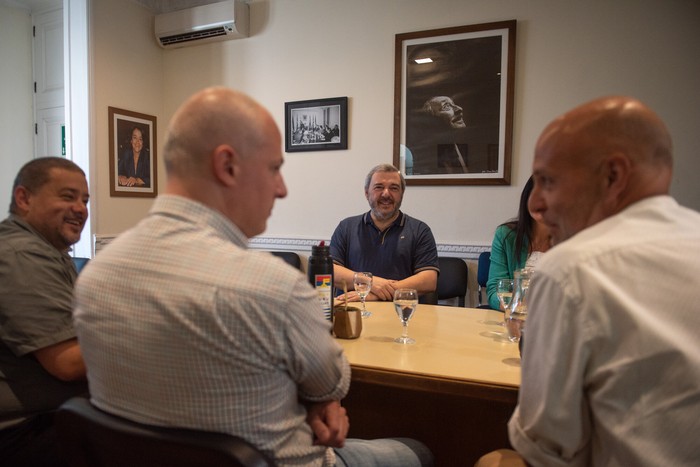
[
  {"x": 36, "y": 173},
  {"x": 523, "y": 224}
]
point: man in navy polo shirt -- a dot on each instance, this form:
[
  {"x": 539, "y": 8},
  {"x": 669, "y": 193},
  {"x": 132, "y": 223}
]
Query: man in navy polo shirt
[{"x": 398, "y": 250}]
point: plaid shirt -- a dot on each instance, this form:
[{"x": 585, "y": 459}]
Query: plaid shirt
[{"x": 181, "y": 325}]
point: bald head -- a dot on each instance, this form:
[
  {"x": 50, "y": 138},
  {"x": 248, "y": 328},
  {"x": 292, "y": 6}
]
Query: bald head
[
  {"x": 612, "y": 124},
  {"x": 596, "y": 160},
  {"x": 224, "y": 150},
  {"x": 212, "y": 117}
]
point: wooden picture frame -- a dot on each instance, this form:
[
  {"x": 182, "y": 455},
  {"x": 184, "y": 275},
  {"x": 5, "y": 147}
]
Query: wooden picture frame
[
  {"x": 132, "y": 133},
  {"x": 316, "y": 125},
  {"x": 441, "y": 75}
]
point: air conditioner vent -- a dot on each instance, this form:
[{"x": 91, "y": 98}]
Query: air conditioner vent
[
  {"x": 196, "y": 35},
  {"x": 207, "y": 23}
]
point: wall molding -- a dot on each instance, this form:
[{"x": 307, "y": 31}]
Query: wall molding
[{"x": 465, "y": 251}]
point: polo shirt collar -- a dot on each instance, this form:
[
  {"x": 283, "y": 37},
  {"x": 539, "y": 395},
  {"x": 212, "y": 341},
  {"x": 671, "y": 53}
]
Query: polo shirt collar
[{"x": 400, "y": 221}]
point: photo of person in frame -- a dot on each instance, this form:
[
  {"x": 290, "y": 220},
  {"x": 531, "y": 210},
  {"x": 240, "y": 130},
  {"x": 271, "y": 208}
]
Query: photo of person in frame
[
  {"x": 453, "y": 106},
  {"x": 134, "y": 167}
]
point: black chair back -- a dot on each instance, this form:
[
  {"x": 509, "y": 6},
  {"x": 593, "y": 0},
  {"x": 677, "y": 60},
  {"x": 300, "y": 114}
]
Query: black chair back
[
  {"x": 90, "y": 437},
  {"x": 482, "y": 276},
  {"x": 290, "y": 257},
  {"x": 452, "y": 281}
]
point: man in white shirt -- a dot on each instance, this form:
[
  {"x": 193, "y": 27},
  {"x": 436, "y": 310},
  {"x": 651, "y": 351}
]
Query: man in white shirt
[{"x": 611, "y": 359}]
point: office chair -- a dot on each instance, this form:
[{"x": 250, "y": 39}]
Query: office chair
[
  {"x": 80, "y": 263},
  {"x": 482, "y": 277},
  {"x": 290, "y": 257},
  {"x": 430, "y": 298},
  {"x": 90, "y": 437},
  {"x": 452, "y": 281}
]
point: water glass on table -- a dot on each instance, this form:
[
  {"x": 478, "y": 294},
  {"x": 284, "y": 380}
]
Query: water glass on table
[
  {"x": 516, "y": 313},
  {"x": 405, "y": 303},
  {"x": 504, "y": 291},
  {"x": 363, "y": 285}
]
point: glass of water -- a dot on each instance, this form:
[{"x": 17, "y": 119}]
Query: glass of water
[
  {"x": 516, "y": 312},
  {"x": 504, "y": 292},
  {"x": 363, "y": 285},
  {"x": 405, "y": 303}
]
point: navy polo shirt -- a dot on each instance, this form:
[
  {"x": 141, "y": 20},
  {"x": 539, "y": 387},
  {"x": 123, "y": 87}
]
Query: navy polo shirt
[{"x": 403, "y": 249}]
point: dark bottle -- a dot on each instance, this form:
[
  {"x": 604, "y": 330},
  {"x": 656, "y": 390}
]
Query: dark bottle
[{"x": 321, "y": 277}]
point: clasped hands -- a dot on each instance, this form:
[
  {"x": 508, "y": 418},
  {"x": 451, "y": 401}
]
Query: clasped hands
[
  {"x": 129, "y": 181},
  {"x": 329, "y": 422},
  {"x": 382, "y": 289}
]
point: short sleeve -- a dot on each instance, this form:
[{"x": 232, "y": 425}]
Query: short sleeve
[{"x": 37, "y": 295}]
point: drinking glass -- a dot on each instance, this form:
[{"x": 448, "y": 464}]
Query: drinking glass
[
  {"x": 405, "y": 303},
  {"x": 504, "y": 291},
  {"x": 516, "y": 313},
  {"x": 363, "y": 285}
]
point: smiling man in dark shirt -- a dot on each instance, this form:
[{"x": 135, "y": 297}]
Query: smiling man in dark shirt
[
  {"x": 40, "y": 361},
  {"x": 397, "y": 249}
]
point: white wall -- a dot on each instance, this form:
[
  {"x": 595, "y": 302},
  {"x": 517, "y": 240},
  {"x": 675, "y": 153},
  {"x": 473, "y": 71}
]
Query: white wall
[
  {"x": 16, "y": 118},
  {"x": 568, "y": 52}
]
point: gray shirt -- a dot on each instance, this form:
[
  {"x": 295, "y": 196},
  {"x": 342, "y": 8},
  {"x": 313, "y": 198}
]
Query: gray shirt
[{"x": 36, "y": 287}]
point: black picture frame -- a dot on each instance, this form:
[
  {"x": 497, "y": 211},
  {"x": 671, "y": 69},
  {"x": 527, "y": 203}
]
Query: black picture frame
[
  {"x": 316, "y": 125},
  {"x": 122, "y": 124},
  {"x": 471, "y": 75}
]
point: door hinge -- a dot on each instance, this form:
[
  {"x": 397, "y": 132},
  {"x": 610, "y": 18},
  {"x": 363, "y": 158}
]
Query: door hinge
[
  {"x": 36, "y": 128},
  {"x": 33, "y": 31},
  {"x": 34, "y": 87}
]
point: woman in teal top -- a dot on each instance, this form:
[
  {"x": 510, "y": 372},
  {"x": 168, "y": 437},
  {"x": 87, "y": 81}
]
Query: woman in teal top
[{"x": 512, "y": 247}]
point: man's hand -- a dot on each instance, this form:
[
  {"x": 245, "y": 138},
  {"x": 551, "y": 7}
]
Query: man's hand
[
  {"x": 383, "y": 289},
  {"x": 329, "y": 422}
]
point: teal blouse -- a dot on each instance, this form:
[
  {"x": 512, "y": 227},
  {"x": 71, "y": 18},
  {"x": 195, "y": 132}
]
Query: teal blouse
[{"x": 503, "y": 261}]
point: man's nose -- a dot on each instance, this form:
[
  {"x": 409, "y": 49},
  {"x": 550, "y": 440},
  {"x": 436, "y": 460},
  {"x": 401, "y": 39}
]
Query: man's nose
[
  {"x": 536, "y": 202},
  {"x": 81, "y": 208}
]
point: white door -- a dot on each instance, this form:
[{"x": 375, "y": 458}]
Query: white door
[
  {"x": 49, "y": 138},
  {"x": 49, "y": 109}
]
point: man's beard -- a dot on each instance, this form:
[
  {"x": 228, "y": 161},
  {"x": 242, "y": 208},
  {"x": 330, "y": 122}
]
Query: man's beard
[{"x": 381, "y": 215}]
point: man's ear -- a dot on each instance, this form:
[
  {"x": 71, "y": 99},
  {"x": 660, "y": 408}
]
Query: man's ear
[
  {"x": 22, "y": 198},
  {"x": 225, "y": 164},
  {"x": 619, "y": 171}
]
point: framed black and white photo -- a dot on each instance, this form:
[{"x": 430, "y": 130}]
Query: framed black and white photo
[
  {"x": 453, "y": 104},
  {"x": 316, "y": 125},
  {"x": 132, "y": 154}
]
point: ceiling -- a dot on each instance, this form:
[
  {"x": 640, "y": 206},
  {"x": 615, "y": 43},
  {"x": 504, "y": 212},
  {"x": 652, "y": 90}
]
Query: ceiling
[
  {"x": 165, "y": 6},
  {"x": 32, "y": 5},
  {"x": 156, "y": 6}
]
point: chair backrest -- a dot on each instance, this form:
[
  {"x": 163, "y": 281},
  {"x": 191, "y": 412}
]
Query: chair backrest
[
  {"x": 90, "y": 437},
  {"x": 80, "y": 263},
  {"x": 482, "y": 274},
  {"x": 452, "y": 281},
  {"x": 290, "y": 257}
]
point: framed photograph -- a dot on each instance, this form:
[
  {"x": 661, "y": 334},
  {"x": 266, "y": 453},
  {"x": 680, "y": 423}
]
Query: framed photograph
[
  {"x": 132, "y": 154},
  {"x": 453, "y": 104},
  {"x": 316, "y": 125}
]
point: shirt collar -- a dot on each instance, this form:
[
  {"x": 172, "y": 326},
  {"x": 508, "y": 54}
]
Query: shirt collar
[
  {"x": 400, "y": 221},
  {"x": 198, "y": 213}
]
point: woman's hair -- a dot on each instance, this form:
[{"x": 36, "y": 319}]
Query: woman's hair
[{"x": 523, "y": 224}]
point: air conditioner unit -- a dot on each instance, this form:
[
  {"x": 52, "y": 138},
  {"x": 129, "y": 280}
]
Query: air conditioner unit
[{"x": 207, "y": 23}]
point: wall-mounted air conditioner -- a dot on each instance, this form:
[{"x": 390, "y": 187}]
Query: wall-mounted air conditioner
[{"x": 207, "y": 23}]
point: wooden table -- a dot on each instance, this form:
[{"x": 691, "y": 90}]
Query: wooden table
[{"x": 454, "y": 389}]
